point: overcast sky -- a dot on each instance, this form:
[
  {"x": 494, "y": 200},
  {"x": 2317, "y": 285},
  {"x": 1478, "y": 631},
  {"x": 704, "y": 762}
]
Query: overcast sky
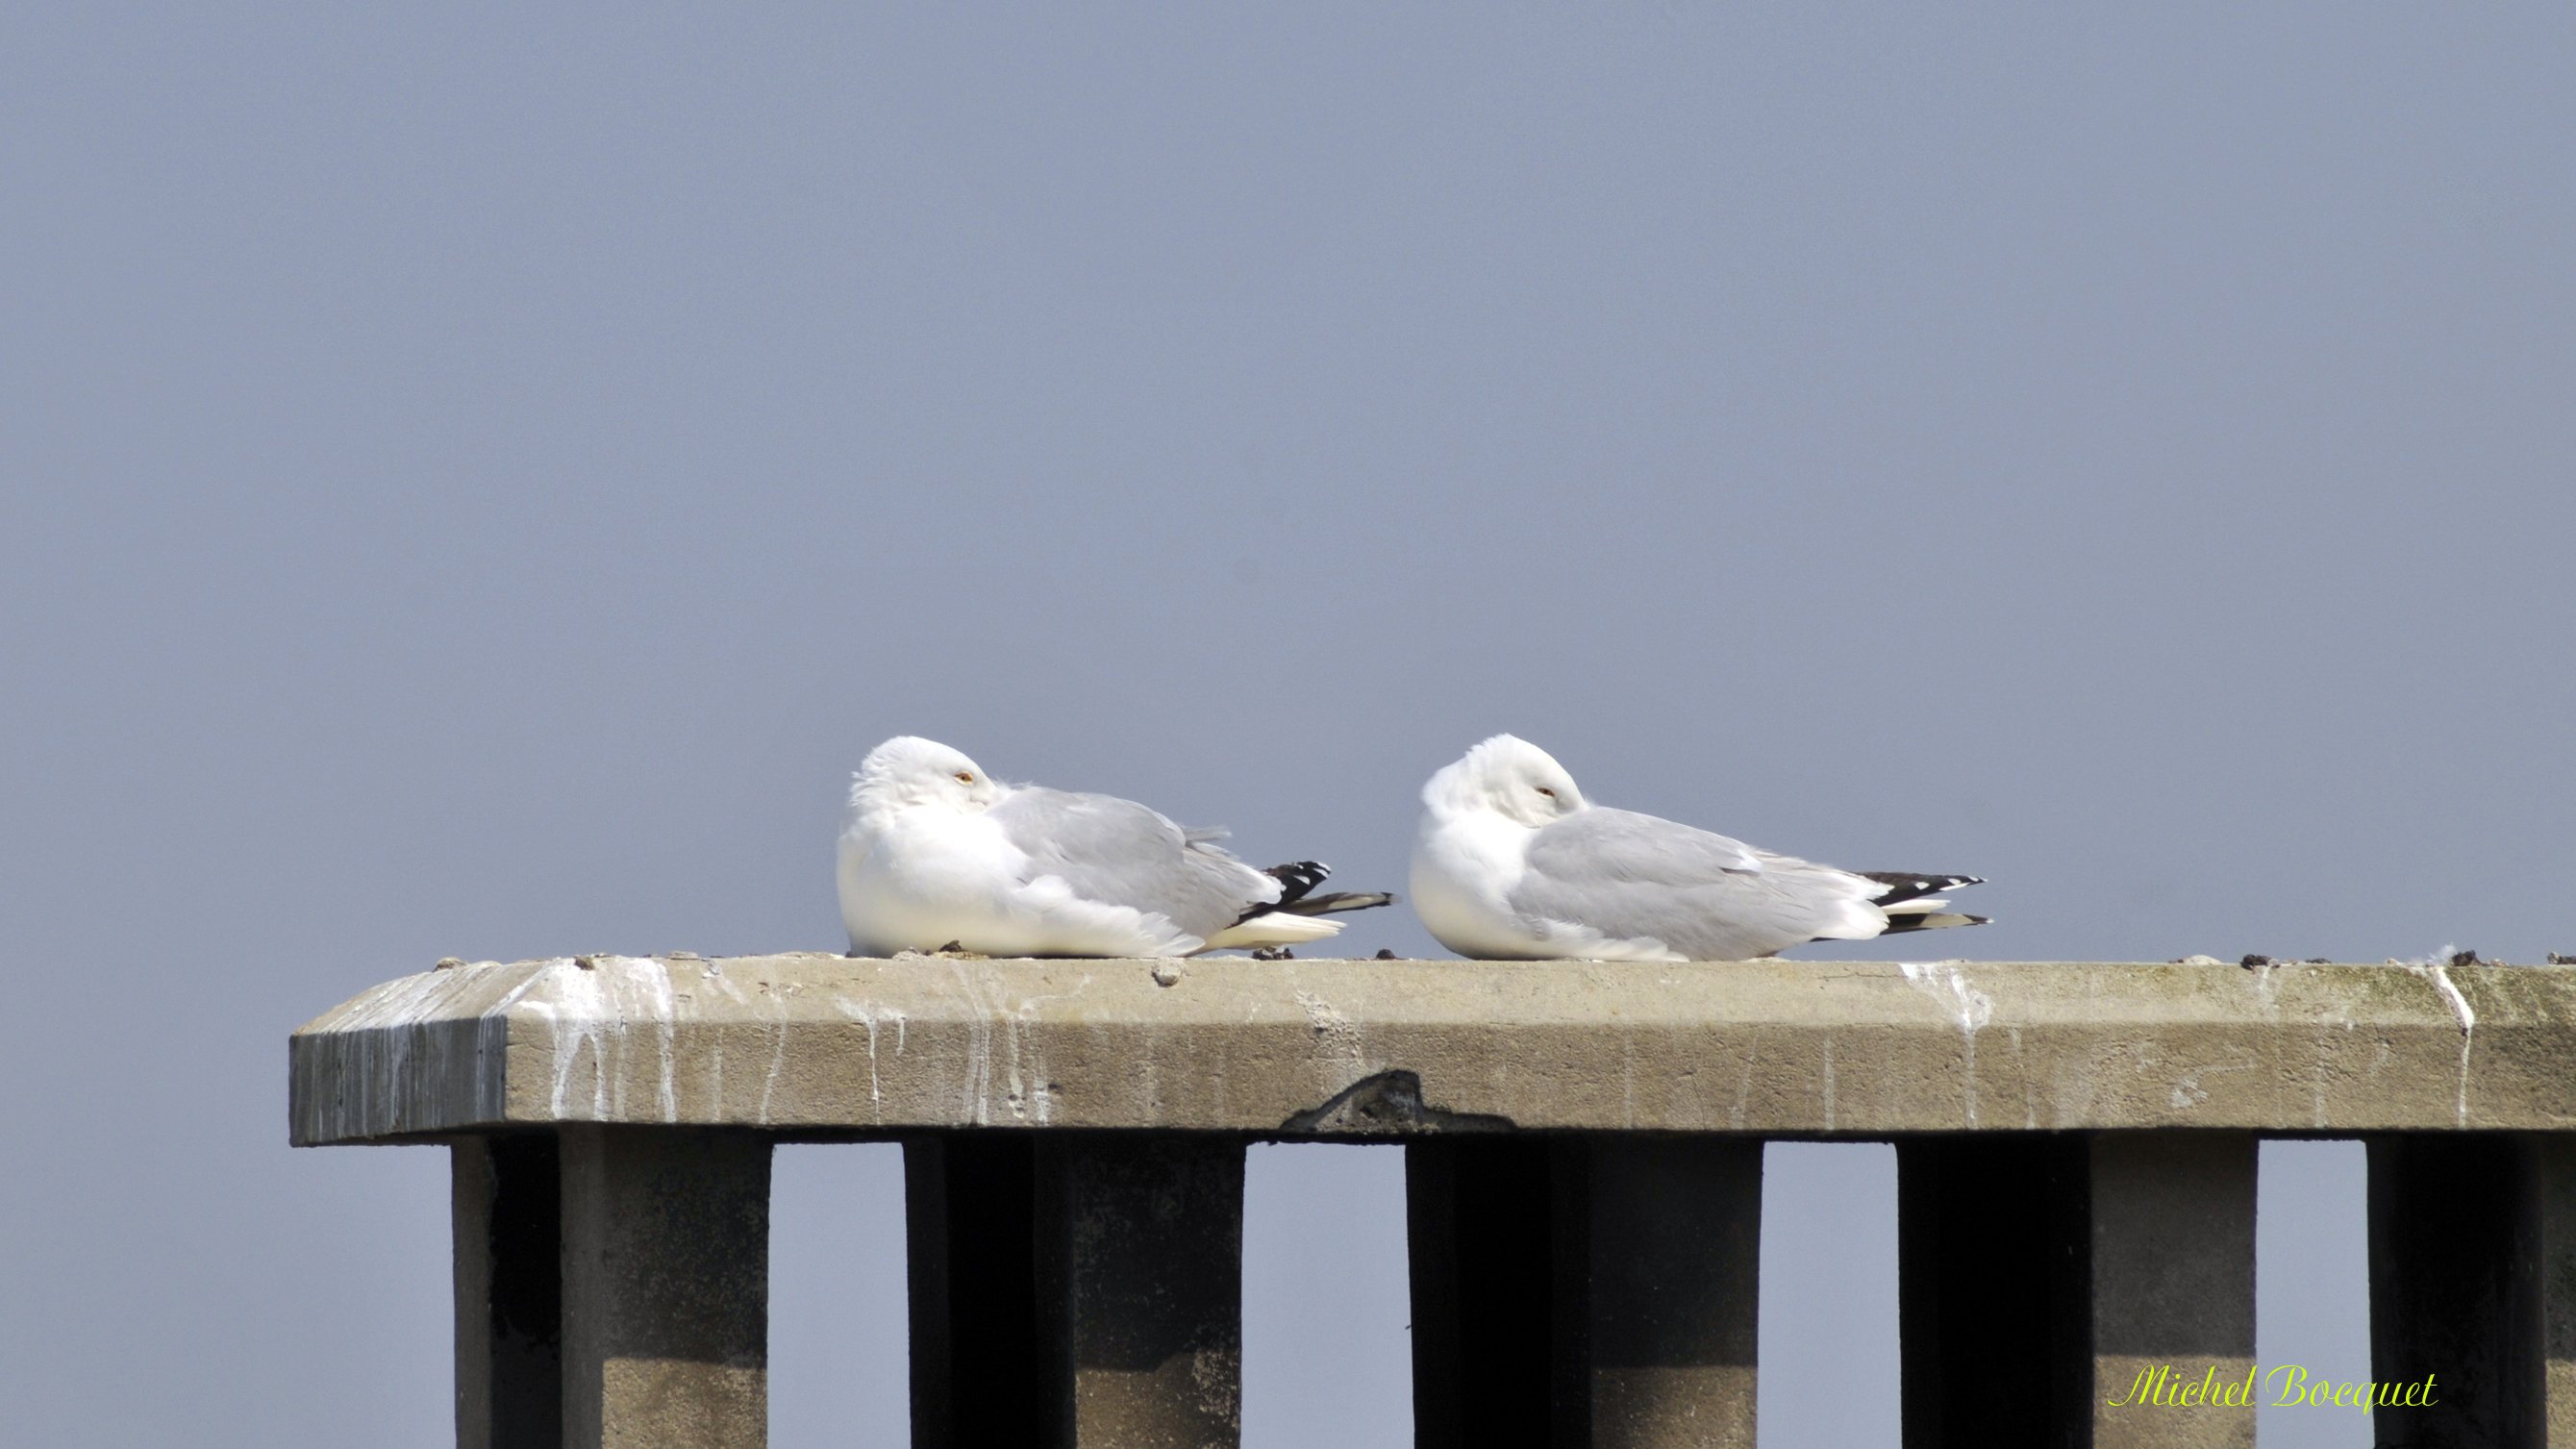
[{"x": 472, "y": 482}]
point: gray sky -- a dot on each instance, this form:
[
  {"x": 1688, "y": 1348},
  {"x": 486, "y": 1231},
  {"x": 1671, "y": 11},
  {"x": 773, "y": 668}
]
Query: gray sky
[{"x": 472, "y": 483}]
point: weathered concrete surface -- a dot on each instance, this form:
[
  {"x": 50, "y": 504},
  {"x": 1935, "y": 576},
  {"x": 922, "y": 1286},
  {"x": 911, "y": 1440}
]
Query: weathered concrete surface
[
  {"x": 1140, "y": 1282},
  {"x": 1593, "y": 1290},
  {"x": 2077, "y": 1289},
  {"x": 825, "y": 1044},
  {"x": 2172, "y": 1229},
  {"x": 1075, "y": 1289},
  {"x": 1673, "y": 1245},
  {"x": 665, "y": 1289}
]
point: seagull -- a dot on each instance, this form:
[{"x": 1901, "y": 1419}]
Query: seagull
[
  {"x": 938, "y": 855},
  {"x": 1514, "y": 864}
]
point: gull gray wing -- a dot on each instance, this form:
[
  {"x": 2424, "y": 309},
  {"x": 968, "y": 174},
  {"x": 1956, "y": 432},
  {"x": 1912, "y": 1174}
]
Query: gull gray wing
[
  {"x": 1121, "y": 853},
  {"x": 1605, "y": 844},
  {"x": 1705, "y": 896}
]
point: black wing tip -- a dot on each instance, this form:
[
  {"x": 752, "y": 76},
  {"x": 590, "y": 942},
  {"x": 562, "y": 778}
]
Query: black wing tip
[
  {"x": 1297, "y": 879},
  {"x": 1907, "y": 885}
]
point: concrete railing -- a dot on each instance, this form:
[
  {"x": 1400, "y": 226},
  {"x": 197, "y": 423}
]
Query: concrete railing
[{"x": 2075, "y": 1148}]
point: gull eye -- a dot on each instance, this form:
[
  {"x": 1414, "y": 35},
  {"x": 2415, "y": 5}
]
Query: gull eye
[
  {"x": 965, "y": 777},
  {"x": 1542, "y": 789}
]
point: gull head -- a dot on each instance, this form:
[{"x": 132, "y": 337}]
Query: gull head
[
  {"x": 1510, "y": 777},
  {"x": 909, "y": 771}
]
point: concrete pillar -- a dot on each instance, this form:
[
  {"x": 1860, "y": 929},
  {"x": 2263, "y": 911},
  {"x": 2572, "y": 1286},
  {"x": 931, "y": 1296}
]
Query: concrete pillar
[
  {"x": 665, "y": 1288},
  {"x": 2553, "y": 1168},
  {"x": 504, "y": 1206},
  {"x": 1481, "y": 1216},
  {"x": 1139, "y": 1269},
  {"x": 1582, "y": 1292},
  {"x": 2042, "y": 1277},
  {"x": 2173, "y": 1290},
  {"x": 2455, "y": 1288},
  {"x": 970, "y": 1236},
  {"x": 1993, "y": 1288},
  {"x": 1672, "y": 1235}
]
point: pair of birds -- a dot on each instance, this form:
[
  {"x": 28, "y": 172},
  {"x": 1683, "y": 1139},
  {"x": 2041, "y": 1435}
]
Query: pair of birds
[{"x": 1512, "y": 864}]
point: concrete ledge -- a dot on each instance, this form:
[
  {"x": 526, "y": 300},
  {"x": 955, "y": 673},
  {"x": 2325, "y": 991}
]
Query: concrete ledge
[{"x": 827, "y": 1045}]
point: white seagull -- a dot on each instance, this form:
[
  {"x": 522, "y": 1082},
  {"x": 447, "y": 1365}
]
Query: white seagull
[
  {"x": 936, "y": 853},
  {"x": 1514, "y": 864}
]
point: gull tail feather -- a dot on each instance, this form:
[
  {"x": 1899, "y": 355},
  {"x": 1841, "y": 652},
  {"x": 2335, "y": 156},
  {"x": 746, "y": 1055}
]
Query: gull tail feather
[
  {"x": 1336, "y": 901},
  {"x": 1899, "y": 922},
  {"x": 1272, "y": 928}
]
